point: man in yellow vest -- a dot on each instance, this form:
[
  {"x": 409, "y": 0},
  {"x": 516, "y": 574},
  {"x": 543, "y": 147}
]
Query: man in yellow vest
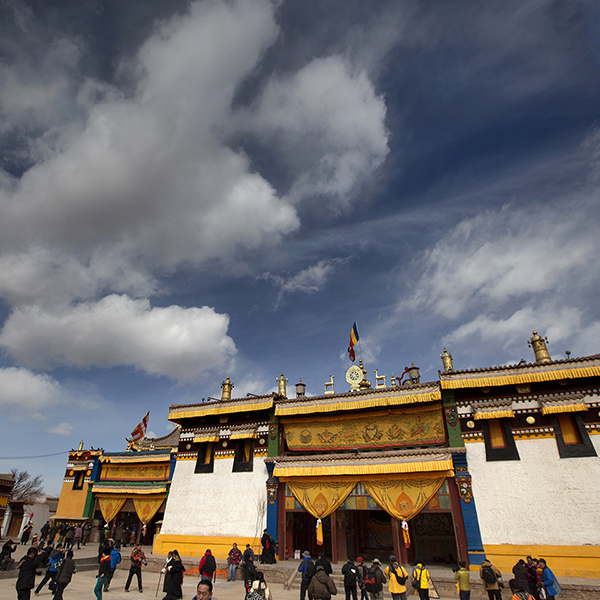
[{"x": 396, "y": 576}]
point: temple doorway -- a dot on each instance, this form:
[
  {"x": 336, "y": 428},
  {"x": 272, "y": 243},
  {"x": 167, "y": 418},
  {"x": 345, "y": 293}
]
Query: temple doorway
[
  {"x": 433, "y": 539},
  {"x": 369, "y": 534}
]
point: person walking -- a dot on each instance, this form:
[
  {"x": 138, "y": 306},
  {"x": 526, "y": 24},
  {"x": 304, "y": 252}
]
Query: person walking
[
  {"x": 64, "y": 575},
  {"x": 26, "y": 533},
  {"x": 323, "y": 562},
  {"x": 549, "y": 581},
  {"x": 518, "y": 592},
  {"x": 176, "y": 571},
  {"x": 350, "y": 573},
  {"x": 207, "y": 566},
  {"x": 115, "y": 559},
  {"x": 362, "y": 573},
  {"x": 26, "y": 578},
  {"x": 462, "y": 576},
  {"x": 375, "y": 580},
  {"x": 54, "y": 561},
  {"x": 137, "y": 559},
  {"x": 69, "y": 536},
  {"x": 307, "y": 570},
  {"x": 492, "y": 580},
  {"x": 396, "y": 575},
  {"x": 102, "y": 573},
  {"x": 78, "y": 536},
  {"x": 421, "y": 575},
  {"x": 321, "y": 586},
  {"x": 233, "y": 559}
]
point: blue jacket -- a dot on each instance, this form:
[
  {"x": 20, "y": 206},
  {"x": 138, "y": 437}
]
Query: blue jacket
[
  {"x": 54, "y": 561},
  {"x": 550, "y": 583},
  {"x": 115, "y": 558}
]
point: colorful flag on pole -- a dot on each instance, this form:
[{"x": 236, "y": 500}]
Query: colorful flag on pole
[
  {"x": 140, "y": 431},
  {"x": 353, "y": 340}
]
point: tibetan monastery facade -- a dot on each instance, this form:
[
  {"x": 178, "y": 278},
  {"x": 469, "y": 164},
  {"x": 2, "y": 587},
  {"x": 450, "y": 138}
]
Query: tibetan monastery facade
[
  {"x": 358, "y": 463},
  {"x": 532, "y": 446}
]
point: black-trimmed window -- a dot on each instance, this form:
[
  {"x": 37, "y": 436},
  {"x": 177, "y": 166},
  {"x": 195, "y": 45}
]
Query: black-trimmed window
[
  {"x": 79, "y": 479},
  {"x": 499, "y": 441},
  {"x": 206, "y": 458},
  {"x": 571, "y": 436},
  {"x": 244, "y": 456}
]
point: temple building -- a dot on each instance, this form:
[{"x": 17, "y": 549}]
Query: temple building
[
  {"x": 7, "y": 482},
  {"x": 126, "y": 489},
  {"x": 498, "y": 462}
]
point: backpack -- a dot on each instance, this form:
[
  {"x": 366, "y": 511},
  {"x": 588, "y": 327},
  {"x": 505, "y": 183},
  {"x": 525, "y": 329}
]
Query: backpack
[
  {"x": 311, "y": 569},
  {"x": 210, "y": 565},
  {"x": 488, "y": 575},
  {"x": 350, "y": 574},
  {"x": 371, "y": 583},
  {"x": 401, "y": 579}
]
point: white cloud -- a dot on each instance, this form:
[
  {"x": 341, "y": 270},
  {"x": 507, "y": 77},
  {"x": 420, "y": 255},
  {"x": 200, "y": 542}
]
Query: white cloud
[
  {"x": 328, "y": 124},
  {"x": 177, "y": 342},
  {"x": 22, "y": 388},
  {"x": 307, "y": 281},
  {"x": 63, "y": 428}
]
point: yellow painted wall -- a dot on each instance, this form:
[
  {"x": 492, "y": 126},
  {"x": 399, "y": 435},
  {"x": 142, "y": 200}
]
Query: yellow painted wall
[
  {"x": 564, "y": 561},
  {"x": 71, "y": 502},
  {"x": 197, "y": 545}
]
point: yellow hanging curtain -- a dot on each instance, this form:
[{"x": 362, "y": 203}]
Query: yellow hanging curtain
[
  {"x": 110, "y": 506},
  {"x": 321, "y": 498},
  {"x": 146, "y": 508},
  {"x": 563, "y": 408},
  {"x": 403, "y": 498}
]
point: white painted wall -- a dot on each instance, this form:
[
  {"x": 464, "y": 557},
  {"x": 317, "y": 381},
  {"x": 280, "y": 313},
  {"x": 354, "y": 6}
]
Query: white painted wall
[
  {"x": 215, "y": 504},
  {"x": 541, "y": 499}
]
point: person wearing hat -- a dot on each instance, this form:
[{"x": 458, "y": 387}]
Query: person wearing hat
[
  {"x": 321, "y": 586},
  {"x": 397, "y": 577},
  {"x": 375, "y": 580},
  {"x": 307, "y": 569},
  {"x": 350, "y": 573},
  {"x": 362, "y": 573}
]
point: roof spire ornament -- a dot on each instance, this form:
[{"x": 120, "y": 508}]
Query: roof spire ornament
[
  {"x": 282, "y": 387},
  {"x": 538, "y": 343},
  {"x": 227, "y": 386},
  {"x": 447, "y": 361}
]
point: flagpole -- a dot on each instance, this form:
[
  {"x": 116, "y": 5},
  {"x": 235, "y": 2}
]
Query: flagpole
[{"x": 359, "y": 346}]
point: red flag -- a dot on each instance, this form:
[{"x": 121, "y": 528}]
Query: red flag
[
  {"x": 140, "y": 431},
  {"x": 353, "y": 340}
]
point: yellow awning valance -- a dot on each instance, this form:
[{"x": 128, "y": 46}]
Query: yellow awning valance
[
  {"x": 103, "y": 491},
  {"x": 563, "y": 408},
  {"x": 243, "y": 435},
  {"x": 339, "y": 468},
  {"x": 323, "y": 404},
  {"x": 136, "y": 458},
  {"x": 219, "y": 408},
  {"x": 206, "y": 437},
  {"x": 492, "y": 378},
  {"x": 494, "y": 414}
]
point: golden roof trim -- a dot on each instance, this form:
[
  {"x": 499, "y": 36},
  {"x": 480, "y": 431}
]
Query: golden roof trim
[{"x": 219, "y": 408}]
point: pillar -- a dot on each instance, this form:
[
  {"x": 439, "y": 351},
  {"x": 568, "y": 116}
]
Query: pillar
[{"x": 273, "y": 503}]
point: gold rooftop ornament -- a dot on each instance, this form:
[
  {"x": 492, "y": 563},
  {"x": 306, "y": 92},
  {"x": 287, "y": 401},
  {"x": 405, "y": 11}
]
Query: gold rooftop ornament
[
  {"x": 447, "y": 361},
  {"x": 538, "y": 344},
  {"x": 282, "y": 386},
  {"x": 227, "y": 386}
]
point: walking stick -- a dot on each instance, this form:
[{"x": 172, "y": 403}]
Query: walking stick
[{"x": 158, "y": 585}]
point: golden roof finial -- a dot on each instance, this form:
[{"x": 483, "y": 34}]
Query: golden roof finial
[
  {"x": 447, "y": 361},
  {"x": 227, "y": 386},
  {"x": 538, "y": 343},
  {"x": 282, "y": 387}
]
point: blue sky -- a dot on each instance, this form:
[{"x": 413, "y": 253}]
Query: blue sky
[{"x": 190, "y": 191}]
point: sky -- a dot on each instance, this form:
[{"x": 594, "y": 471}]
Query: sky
[{"x": 196, "y": 190}]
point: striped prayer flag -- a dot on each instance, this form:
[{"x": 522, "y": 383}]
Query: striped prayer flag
[{"x": 140, "y": 431}]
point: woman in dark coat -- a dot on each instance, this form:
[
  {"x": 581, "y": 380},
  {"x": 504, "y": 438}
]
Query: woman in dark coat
[{"x": 176, "y": 569}]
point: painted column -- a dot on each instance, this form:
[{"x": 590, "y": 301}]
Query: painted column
[
  {"x": 272, "y": 503},
  {"x": 469, "y": 511}
]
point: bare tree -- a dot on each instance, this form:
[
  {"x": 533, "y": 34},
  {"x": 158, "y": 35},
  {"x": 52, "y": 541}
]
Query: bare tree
[{"x": 27, "y": 489}]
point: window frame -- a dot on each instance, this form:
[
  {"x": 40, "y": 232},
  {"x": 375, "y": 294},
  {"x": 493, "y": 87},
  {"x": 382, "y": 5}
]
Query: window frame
[
  {"x": 201, "y": 465},
  {"x": 583, "y": 449},
  {"x": 239, "y": 464},
  {"x": 509, "y": 452}
]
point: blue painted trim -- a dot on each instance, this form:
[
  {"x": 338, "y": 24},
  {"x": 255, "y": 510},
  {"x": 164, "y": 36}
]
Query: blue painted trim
[{"x": 470, "y": 519}]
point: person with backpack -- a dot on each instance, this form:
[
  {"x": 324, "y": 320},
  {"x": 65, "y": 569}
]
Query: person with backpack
[
  {"x": 362, "y": 573},
  {"x": 518, "y": 592},
  {"x": 307, "y": 570},
  {"x": 462, "y": 575},
  {"x": 64, "y": 575},
  {"x": 115, "y": 559},
  {"x": 259, "y": 590},
  {"x": 207, "y": 566},
  {"x": 26, "y": 578},
  {"x": 397, "y": 577},
  {"x": 374, "y": 580},
  {"x": 492, "y": 580},
  {"x": 322, "y": 587},
  {"x": 350, "y": 573},
  {"x": 420, "y": 580},
  {"x": 54, "y": 561}
]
